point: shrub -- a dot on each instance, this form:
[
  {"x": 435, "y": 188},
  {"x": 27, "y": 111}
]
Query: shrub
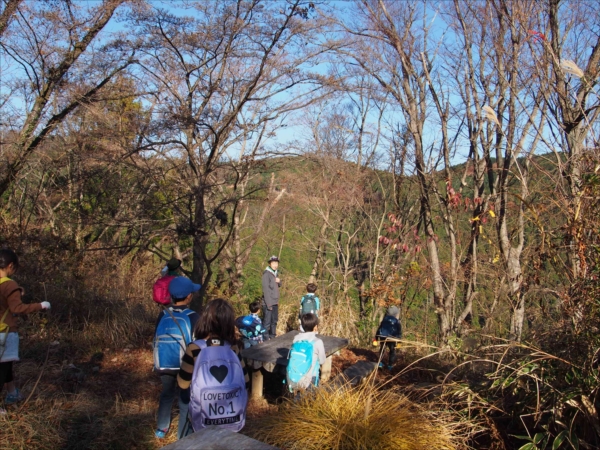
[{"x": 342, "y": 417}]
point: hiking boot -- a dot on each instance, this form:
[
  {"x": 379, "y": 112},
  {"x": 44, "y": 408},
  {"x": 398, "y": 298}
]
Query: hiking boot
[
  {"x": 381, "y": 365},
  {"x": 160, "y": 434},
  {"x": 13, "y": 398}
]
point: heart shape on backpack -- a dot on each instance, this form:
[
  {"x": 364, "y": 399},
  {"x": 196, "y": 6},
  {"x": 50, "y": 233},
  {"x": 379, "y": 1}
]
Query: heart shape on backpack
[{"x": 219, "y": 372}]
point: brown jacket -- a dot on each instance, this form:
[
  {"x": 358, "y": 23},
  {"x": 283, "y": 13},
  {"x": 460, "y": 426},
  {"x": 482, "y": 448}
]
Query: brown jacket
[{"x": 10, "y": 297}]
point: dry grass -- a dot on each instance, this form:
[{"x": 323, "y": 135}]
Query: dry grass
[
  {"x": 336, "y": 320},
  {"x": 347, "y": 418},
  {"x": 114, "y": 408}
]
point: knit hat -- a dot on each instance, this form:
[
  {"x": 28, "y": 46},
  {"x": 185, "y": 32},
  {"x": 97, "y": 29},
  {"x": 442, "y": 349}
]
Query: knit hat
[
  {"x": 393, "y": 311},
  {"x": 173, "y": 264},
  {"x": 273, "y": 258},
  {"x": 181, "y": 287}
]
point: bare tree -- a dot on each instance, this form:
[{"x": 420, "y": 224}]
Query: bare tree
[
  {"x": 393, "y": 48},
  {"x": 10, "y": 8},
  {"x": 49, "y": 47},
  {"x": 222, "y": 79},
  {"x": 565, "y": 46}
]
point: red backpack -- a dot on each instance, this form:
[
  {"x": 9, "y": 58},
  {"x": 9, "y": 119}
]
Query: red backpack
[{"x": 160, "y": 290}]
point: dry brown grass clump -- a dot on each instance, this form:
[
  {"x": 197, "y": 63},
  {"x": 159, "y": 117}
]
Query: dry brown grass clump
[{"x": 351, "y": 418}]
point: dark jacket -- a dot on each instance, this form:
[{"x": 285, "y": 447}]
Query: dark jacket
[
  {"x": 389, "y": 327},
  {"x": 270, "y": 288}
]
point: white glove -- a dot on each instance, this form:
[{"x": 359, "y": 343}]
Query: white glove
[{"x": 45, "y": 305}]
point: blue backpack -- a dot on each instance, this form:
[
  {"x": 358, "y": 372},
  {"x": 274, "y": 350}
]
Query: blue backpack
[
  {"x": 249, "y": 327},
  {"x": 173, "y": 334},
  {"x": 308, "y": 304},
  {"x": 389, "y": 327},
  {"x": 301, "y": 365}
]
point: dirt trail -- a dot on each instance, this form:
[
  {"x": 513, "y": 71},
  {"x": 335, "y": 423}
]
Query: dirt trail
[{"x": 108, "y": 400}]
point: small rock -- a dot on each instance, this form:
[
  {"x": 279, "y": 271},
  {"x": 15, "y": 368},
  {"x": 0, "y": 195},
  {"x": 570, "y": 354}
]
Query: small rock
[
  {"x": 114, "y": 360},
  {"x": 126, "y": 350}
]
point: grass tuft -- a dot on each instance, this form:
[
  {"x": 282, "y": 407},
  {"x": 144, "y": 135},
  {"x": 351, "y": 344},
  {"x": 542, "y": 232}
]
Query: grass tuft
[{"x": 351, "y": 418}]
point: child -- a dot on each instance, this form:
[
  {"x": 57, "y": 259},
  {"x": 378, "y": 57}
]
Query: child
[
  {"x": 160, "y": 289},
  {"x": 213, "y": 369},
  {"x": 389, "y": 327},
  {"x": 251, "y": 326},
  {"x": 172, "y": 334},
  {"x": 309, "y": 303},
  {"x": 10, "y": 304},
  {"x": 307, "y": 355}
]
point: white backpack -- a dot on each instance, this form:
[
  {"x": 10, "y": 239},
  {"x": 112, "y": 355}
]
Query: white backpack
[{"x": 218, "y": 391}]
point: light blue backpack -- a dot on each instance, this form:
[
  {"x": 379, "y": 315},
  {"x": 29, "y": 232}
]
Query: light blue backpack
[
  {"x": 173, "y": 334},
  {"x": 218, "y": 391},
  {"x": 301, "y": 365}
]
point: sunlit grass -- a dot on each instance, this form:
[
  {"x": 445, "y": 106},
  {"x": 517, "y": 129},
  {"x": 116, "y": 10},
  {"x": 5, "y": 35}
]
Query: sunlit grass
[{"x": 347, "y": 418}]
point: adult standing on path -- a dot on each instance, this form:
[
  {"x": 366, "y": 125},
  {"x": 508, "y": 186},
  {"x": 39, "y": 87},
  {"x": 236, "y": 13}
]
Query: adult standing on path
[{"x": 270, "y": 285}]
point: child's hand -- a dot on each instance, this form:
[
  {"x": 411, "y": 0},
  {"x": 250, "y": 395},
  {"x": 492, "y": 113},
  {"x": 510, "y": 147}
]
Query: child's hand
[{"x": 277, "y": 280}]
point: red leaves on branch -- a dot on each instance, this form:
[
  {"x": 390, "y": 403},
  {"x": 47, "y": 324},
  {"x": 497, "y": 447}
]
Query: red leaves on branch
[
  {"x": 453, "y": 197},
  {"x": 536, "y": 36}
]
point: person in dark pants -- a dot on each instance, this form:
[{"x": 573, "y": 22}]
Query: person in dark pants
[
  {"x": 181, "y": 290},
  {"x": 389, "y": 328},
  {"x": 270, "y": 285}
]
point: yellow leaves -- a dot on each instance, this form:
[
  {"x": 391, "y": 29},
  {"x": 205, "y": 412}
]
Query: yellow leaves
[
  {"x": 492, "y": 213},
  {"x": 496, "y": 259}
]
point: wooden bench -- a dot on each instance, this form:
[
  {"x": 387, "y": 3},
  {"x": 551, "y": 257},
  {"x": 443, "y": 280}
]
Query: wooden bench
[
  {"x": 274, "y": 352},
  {"x": 355, "y": 374},
  {"x": 216, "y": 438}
]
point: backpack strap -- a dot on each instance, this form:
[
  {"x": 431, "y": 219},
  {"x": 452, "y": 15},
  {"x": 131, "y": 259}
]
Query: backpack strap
[
  {"x": 4, "y": 316},
  {"x": 168, "y": 310}
]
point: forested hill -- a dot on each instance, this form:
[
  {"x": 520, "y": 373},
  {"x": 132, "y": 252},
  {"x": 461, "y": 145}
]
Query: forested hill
[{"x": 437, "y": 156}]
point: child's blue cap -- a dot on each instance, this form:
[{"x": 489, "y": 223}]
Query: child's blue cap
[{"x": 181, "y": 287}]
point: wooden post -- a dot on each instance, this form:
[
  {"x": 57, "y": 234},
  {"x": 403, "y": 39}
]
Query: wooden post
[
  {"x": 257, "y": 384},
  {"x": 326, "y": 369}
]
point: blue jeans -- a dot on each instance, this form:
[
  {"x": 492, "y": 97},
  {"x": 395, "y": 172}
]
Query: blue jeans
[{"x": 170, "y": 390}]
